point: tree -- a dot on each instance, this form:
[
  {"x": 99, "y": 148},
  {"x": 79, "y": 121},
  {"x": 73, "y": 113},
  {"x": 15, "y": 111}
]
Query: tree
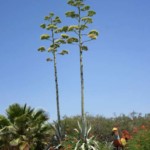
[
  {"x": 83, "y": 15},
  {"x": 24, "y": 126}
]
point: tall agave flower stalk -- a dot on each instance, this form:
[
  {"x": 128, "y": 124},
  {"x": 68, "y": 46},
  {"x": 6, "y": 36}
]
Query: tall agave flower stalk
[
  {"x": 56, "y": 41},
  {"x": 83, "y": 16}
]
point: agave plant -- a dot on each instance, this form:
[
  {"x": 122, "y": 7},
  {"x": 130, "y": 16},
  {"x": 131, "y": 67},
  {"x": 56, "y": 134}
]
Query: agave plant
[
  {"x": 58, "y": 137},
  {"x": 59, "y": 131},
  {"x": 82, "y": 14},
  {"x": 85, "y": 142}
]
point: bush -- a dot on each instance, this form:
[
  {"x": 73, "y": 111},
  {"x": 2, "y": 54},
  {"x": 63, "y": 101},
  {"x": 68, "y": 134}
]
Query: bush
[{"x": 140, "y": 141}]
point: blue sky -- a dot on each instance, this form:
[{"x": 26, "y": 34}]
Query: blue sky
[{"x": 116, "y": 67}]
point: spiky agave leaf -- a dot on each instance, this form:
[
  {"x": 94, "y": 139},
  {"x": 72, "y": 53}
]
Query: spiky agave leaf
[
  {"x": 90, "y": 139},
  {"x": 83, "y": 146},
  {"x": 77, "y": 145},
  {"x": 96, "y": 144},
  {"x": 76, "y": 130},
  {"x": 92, "y": 147},
  {"x": 60, "y": 131},
  {"x": 88, "y": 130},
  {"x": 80, "y": 129}
]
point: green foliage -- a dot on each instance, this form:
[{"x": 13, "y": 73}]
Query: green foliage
[
  {"x": 59, "y": 129},
  {"x": 140, "y": 141},
  {"x": 23, "y": 125},
  {"x": 102, "y": 127},
  {"x": 60, "y": 132},
  {"x": 85, "y": 141},
  {"x": 106, "y": 145},
  {"x": 3, "y": 121},
  {"x": 69, "y": 142}
]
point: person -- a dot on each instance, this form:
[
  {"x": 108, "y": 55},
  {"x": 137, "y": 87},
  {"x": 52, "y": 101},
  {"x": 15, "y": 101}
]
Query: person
[{"x": 116, "y": 139}]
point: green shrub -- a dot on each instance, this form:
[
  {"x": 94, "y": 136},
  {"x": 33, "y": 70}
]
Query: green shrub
[{"x": 140, "y": 141}]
